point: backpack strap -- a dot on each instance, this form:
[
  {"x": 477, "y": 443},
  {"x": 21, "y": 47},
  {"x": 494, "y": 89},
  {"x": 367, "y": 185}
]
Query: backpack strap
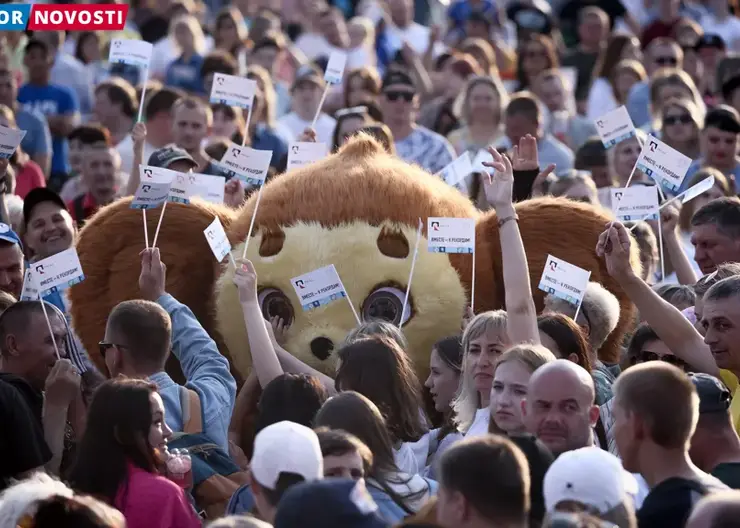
[
  {"x": 79, "y": 210},
  {"x": 192, "y": 413}
]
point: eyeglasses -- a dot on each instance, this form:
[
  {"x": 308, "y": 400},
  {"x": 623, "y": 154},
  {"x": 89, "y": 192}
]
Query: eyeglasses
[
  {"x": 684, "y": 119},
  {"x": 646, "y": 356},
  {"x": 394, "y": 96},
  {"x": 666, "y": 61}
]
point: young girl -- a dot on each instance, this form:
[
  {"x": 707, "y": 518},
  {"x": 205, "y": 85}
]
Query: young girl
[{"x": 124, "y": 444}]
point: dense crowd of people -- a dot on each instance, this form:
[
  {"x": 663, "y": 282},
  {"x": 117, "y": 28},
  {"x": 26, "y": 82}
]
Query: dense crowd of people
[{"x": 523, "y": 419}]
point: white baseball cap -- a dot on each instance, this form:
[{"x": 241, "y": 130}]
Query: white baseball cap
[
  {"x": 590, "y": 476},
  {"x": 286, "y": 447}
]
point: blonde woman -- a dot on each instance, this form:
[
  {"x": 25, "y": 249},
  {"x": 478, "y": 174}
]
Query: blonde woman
[
  {"x": 679, "y": 122},
  {"x": 184, "y": 72},
  {"x": 511, "y": 375},
  {"x": 490, "y": 333},
  {"x": 671, "y": 83},
  {"x": 622, "y": 158},
  {"x": 480, "y": 107}
]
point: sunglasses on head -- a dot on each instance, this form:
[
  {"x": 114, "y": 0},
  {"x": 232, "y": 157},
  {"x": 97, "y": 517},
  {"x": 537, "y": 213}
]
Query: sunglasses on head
[
  {"x": 684, "y": 119},
  {"x": 396, "y": 95},
  {"x": 666, "y": 61}
]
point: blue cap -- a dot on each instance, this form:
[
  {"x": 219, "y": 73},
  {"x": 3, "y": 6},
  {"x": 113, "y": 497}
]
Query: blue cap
[
  {"x": 328, "y": 503},
  {"x": 7, "y": 234}
]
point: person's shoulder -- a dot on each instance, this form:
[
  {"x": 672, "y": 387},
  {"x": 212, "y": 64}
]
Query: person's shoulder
[{"x": 430, "y": 134}]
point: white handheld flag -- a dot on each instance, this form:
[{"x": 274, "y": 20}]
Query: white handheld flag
[
  {"x": 615, "y": 126},
  {"x": 565, "y": 281},
  {"x": 664, "y": 164},
  {"x": 302, "y": 153}
]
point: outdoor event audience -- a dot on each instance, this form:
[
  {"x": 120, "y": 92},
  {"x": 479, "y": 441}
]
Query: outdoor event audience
[{"x": 522, "y": 419}]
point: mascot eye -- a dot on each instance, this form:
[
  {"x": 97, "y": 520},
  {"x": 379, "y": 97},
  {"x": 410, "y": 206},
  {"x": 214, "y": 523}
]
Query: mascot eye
[
  {"x": 274, "y": 303},
  {"x": 386, "y": 303}
]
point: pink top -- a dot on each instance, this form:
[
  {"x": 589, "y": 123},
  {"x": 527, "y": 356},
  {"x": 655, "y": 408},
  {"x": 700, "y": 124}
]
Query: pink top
[{"x": 151, "y": 501}]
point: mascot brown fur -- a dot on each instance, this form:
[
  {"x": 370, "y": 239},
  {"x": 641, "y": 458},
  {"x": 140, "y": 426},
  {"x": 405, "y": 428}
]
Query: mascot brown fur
[
  {"x": 357, "y": 209},
  {"x": 109, "y": 247}
]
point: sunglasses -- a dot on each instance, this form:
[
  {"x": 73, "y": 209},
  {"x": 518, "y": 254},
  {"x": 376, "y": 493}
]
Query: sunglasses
[
  {"x": 104, "y": 347},
  {"x": 666, "y": 61},
  {"x": 646, "y": 355},
  {"x": 395, "y": 96},
  {"x": 684, "y": 119}
]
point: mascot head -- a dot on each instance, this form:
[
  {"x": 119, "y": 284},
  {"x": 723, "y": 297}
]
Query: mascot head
[{"x": 358, "y": 210}]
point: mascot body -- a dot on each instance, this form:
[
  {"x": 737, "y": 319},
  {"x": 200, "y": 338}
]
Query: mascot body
[{"x": 359, "y": 210}]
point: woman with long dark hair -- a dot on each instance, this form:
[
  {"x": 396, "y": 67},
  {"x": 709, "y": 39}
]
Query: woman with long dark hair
[
  {"x": 397, "y": 493},
  {"x": 124, "y": 444},
  {"x": 379, "y": 369}
]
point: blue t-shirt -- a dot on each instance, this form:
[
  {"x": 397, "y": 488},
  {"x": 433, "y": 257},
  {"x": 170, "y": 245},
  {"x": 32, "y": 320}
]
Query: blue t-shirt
[
  {"x": 185, "y": 75},
  {"x": 51, "y": 100},
  {"x": 38, "y": 138}
]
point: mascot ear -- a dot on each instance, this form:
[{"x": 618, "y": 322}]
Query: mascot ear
[
  {"x": 272, "y": 241},
  {"x": 109, "y": 247},
  {"x": 393, "y": 243}
]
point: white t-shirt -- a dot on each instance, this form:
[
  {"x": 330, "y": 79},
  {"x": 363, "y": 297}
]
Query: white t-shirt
[
  {"x": 480, "y": 423},
  {"x": 324, "y": 126}
]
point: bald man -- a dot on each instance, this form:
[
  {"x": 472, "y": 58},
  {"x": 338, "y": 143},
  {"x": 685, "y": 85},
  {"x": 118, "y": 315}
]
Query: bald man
[
  {"x": 717, "y": 510},
  {"x": 560, "y": 406}
]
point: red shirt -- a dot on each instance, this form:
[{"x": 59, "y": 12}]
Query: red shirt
[
  {"x": 82, "y": 208},
  {"x": 28, "y": 177},
  {"x": 658, "y": 29}
]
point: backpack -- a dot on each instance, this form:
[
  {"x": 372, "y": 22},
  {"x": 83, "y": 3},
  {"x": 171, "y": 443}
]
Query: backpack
[{"x": 215, "y": 475}]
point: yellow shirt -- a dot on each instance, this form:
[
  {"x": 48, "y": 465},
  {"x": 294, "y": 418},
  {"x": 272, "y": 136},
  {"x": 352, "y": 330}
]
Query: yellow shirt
[{"x": 731, "y": 381}]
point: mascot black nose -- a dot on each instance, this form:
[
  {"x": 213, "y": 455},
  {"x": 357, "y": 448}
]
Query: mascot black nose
[{"x": 321, "y": 347}]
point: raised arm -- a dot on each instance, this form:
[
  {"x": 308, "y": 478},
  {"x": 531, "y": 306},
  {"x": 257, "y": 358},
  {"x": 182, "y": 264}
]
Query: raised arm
[
  {"x": 205, "y": 369},
  {"x": 680, "y": 260},
  {"x": 264, "y": 359},
  {"x": 138, "y": 135},
  {"x": 520, "y": 308},
  {"x": 669, "y": 324}
]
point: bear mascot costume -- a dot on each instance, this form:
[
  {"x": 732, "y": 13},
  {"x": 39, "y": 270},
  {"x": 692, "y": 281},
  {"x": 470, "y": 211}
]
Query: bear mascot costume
[{"x": 357, "y": 209}]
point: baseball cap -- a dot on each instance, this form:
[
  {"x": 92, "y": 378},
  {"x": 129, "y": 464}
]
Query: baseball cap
[
  {"x": 169, "y": 154},
  {"x": 395, "y": 77},
  {"x": 286, "y": 447},
  {"x": 37, "y": 196},
  {"x": 709, "y": 40},
  {"x": 590, "y": 476},
  {"x": 329, "y": 503},
  {"x": 713, "y": 395},
  {"x": 7, "y": 234},
  {"x": 308, "y": 73}
]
